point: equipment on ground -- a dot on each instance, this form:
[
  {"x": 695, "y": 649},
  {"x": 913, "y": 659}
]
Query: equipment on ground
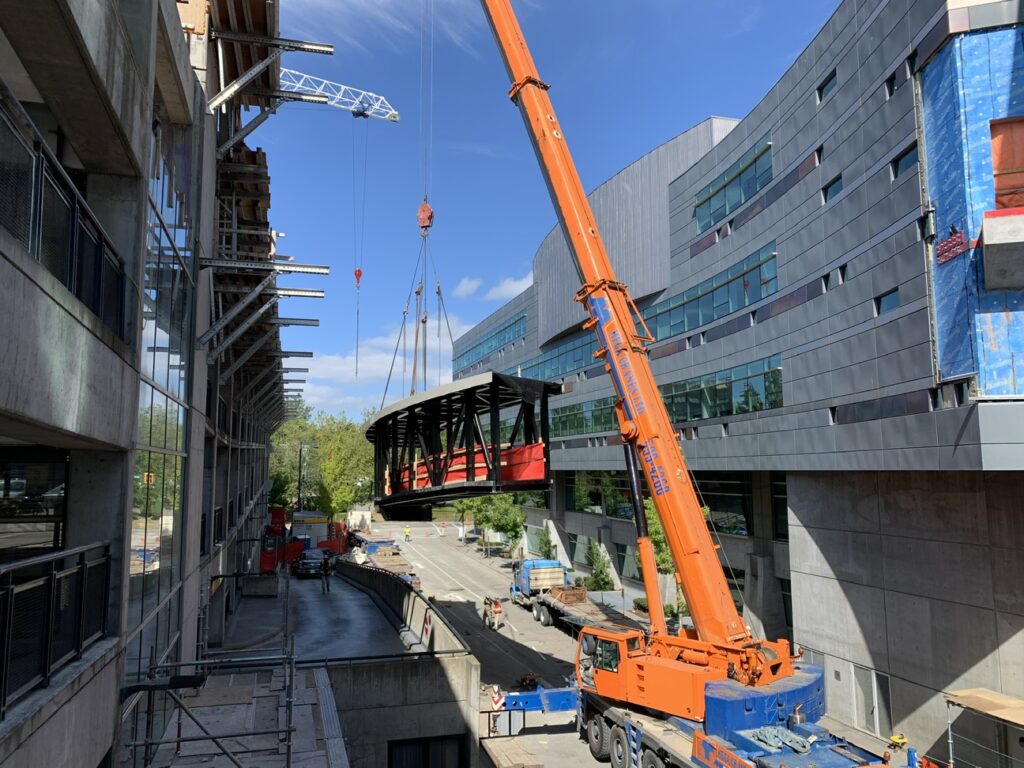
[{"x": 713, "y": 696}]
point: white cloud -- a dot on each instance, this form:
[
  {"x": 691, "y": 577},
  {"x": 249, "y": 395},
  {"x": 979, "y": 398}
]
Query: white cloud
[
  {"x": 510, "y": 287},
  {"x": 467, "y": 287},
  {"x": 334, "y": 386}
]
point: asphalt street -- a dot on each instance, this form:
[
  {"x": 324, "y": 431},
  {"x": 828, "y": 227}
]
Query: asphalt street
[{"x": 457, "y": 577}]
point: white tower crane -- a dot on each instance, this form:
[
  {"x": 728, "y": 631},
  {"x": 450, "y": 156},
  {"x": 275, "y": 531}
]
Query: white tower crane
[{"x": 360, "y": 103}]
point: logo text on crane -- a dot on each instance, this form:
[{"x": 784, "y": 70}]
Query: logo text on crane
[{"x": 622, "y": 368}]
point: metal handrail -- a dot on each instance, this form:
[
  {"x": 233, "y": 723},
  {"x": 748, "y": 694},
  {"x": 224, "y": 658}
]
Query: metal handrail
[
  {"x": 30, "y": 562},
  {"x": 57, "y": 626},
  {"x": 24, "y": 126},
  {"x": 48, "y": 171}
]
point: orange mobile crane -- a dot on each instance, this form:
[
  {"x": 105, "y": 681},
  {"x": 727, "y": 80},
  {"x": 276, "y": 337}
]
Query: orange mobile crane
[{"x": 742, "y": 701}]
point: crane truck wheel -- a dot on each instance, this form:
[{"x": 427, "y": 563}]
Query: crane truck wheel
[
  {"x": 536, "y": 612},
  {"x": 545, "y": 616},
  {"x": 598, "y": 735},
  {"x": 651, "y": 760},
  {"x": 618, "y": 748}
]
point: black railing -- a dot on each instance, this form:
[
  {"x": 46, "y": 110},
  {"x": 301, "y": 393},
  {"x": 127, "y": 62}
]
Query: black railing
[
  {"x": 41, "y": 208},
  {"x": 52, "y": 607}
]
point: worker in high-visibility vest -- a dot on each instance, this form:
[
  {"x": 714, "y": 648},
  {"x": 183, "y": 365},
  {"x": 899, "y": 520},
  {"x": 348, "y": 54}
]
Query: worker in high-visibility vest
[{"x": 408, "y": 533}]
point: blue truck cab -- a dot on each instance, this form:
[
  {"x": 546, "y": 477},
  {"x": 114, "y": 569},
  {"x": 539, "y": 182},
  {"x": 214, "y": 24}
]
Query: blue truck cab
[{"x": 531, "y": 578}]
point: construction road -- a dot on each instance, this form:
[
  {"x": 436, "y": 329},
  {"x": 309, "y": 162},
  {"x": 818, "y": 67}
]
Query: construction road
[{"x": 457, "y": 577}]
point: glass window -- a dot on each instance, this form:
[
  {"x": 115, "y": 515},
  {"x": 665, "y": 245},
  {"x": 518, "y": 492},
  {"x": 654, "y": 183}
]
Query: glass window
[
  {"x": 780, "y": 507},
  {"x": 607, "y": 655},
  {"x": 827, "y": 86},
  {"x": 734, "y": 187},
  {"x": 833, "y": 188},
  {"x": 887, "y": 301},
  {"x": 905, "y": 162},
  {"x": 32, "y": 501}
]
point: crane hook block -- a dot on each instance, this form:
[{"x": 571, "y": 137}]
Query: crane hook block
[
  {"x": 359, "y": 276},
  {"x": 425, "y": 217}
]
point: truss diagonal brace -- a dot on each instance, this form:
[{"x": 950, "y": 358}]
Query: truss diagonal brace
[
  {"x": 234, "y": 88},
  {"x": 244, "y": 358},
  {"x": 248, "y": 128},
  {"x": 232, "y": 337},
  {"x": 236, "y": 310}
]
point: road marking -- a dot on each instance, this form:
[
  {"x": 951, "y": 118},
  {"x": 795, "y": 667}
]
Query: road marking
[{"x": 467, "y": 588}]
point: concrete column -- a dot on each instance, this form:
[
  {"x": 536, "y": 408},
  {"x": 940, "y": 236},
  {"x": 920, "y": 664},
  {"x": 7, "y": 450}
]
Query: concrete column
[
  {"x": 762, "y": 593},
  {"x": 99, "y": 509}
]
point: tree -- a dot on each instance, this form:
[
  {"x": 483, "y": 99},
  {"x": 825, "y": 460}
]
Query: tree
[
  {"x": 337, "y": 462},
  {"x": 662, "y": 555},
  {"x": 279, "y": 490},
  {"x": 600, "y": 578},
  {"x": 497, "y": 513},
  {"x": 346, "y": 464},
  {"x": 545, "y": 545}
]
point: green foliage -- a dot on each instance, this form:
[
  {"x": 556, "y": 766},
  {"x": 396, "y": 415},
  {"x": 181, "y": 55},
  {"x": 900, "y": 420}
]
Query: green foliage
[
  {"x": 600, "y": 578},
  {"x": 337, "y": 462},
  {"x": 497, "y": 513},
  {"x": 640, "y": 604},
  {"x": 662, "y": 555},
  {"x": 279, "y": 490},
  {"x": 544, "y": 543}
]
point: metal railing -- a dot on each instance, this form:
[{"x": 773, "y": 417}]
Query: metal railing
[
  {"x": 52, "y": 607},
  {"x": 41, "y": 208}
]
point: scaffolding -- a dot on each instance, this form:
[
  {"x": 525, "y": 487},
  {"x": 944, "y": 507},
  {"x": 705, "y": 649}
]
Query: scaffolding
[
  {"x": 169, "y": 678},
  {"x": 1006, "y": 712}
]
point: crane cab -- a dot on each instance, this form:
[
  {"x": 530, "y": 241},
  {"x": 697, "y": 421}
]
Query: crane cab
[{"x": 603, "y": 661}]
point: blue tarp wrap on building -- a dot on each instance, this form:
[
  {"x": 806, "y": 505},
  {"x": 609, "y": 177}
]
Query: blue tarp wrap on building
[{"x": 974, "y": 79}]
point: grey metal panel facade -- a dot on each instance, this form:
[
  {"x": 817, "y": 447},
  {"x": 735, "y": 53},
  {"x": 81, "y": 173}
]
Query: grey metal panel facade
[{"x": 632, "y": 214}]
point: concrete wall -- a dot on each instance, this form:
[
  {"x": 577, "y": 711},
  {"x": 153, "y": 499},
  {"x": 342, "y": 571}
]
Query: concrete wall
[
  {"x": 66, "y": 376},
  {"x": 406, "y": 698},
  {"x": 73, "y": 722},
  {"x": 435, "y": 692},
  {"x": 919, "y": 576},
  {"x": 416, "y": 618}
]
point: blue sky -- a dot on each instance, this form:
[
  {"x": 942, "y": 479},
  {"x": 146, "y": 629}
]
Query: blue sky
[{"x": 625, "y": 77}]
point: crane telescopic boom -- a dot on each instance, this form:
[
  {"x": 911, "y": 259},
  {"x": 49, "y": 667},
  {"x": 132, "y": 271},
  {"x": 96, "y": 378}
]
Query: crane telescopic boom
[
  {"x": 643, "y": 418},
  {"x": 721, "y": 646}
]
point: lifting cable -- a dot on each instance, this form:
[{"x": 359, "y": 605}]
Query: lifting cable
[
  {"x": 725, "y": 555},
  {"x": 425, "y": 220},
  {"x": 359, "y": 220}
]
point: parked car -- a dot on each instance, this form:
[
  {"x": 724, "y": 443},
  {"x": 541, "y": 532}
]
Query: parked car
[{"x": 308, "y": 563}]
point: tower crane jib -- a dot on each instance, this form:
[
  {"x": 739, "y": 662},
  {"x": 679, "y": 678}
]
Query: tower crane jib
[{"x": 359, "y": 102}]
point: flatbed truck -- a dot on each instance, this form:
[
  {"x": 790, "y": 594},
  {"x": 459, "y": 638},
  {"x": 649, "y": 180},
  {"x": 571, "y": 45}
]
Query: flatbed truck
[{"x": 543, "y": 587}]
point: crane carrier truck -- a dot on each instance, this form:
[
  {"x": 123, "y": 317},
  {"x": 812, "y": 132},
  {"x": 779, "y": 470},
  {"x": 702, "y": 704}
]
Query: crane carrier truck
[{"x": 713, "y": 696}]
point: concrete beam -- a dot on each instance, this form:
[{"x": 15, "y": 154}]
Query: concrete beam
[
  {"x": 81, "y": 60},
  {"x": 174, "y": 77}
]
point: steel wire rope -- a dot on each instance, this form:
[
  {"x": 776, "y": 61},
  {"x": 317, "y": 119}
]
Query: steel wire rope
[
  {"x": 718, "y": 539},
  {"x": 359, "y": 229},
  {"x": 442, "y": 311},
  {"x": 402, "y": 331}
]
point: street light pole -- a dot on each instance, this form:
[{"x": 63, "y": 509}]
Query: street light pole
[{"x": 300, "y": 478}]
